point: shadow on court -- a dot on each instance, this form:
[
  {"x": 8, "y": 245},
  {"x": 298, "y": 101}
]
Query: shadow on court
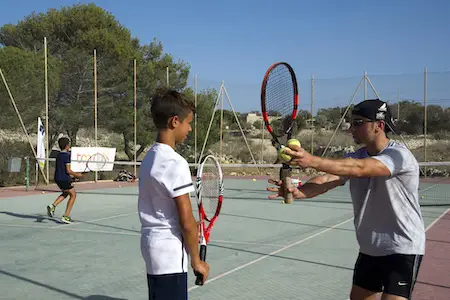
[
  {"x": 39, "y": 218},
  {"x": 55, "y": 289}
]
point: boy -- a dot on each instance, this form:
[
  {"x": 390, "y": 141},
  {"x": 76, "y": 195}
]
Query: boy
[
  {"x": 169, "y": 229},
  {"x": 63, "y": 175}
]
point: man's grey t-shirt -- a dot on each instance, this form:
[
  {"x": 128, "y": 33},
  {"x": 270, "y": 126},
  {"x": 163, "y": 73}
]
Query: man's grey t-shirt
[{"x": 388, "y": 219}]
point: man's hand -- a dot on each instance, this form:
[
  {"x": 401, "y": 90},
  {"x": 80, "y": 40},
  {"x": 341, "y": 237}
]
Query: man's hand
[{"x": 300, "y": 157}]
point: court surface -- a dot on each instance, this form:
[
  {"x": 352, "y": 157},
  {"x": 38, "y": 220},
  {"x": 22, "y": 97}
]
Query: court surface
[{"x": 260, "y": 248}]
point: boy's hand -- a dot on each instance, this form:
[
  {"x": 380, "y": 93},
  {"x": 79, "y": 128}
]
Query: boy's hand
[{"x": 201, "y": 267}]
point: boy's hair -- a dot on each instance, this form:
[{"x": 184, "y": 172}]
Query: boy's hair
[
  {"x": 63, "y": 142},
  {"x": 167, "y": 104}
]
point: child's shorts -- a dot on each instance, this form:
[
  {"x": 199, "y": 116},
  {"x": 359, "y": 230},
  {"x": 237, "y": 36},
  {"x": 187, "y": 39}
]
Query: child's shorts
[{"x": 64, "y": 185}]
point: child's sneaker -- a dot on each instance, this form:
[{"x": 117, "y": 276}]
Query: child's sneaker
[
  {"x": 50, "y": 210},
  {"x": 66, "y": 219}
]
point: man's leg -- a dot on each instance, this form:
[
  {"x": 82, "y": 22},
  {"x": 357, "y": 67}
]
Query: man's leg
[
  {"x": 367, "y": 282},
  {"x": 358, "y": 293},
  {"x": 167, "y": 287},
  {"x": 400, "y": 276}
]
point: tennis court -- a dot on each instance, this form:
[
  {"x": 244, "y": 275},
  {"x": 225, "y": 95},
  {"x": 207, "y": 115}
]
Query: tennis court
[{"x": 260, "y": 248}]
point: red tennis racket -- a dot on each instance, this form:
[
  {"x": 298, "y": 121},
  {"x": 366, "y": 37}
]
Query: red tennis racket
[
  {"x": 279, "y": 104},
  {"x": 209, "y": 199}
]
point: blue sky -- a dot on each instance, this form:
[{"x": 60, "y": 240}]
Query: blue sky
[{"x": 236, "y": 41}]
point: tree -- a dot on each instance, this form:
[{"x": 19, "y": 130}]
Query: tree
[
  {"x": 24, "y": 74},
  {"x": 205, "y": 108},
  {"x": 73, "y": 33}
]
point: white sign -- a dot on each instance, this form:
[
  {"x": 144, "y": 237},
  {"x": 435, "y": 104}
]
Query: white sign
[
  {"x": 40, "y": 144},
  {"x": 80, "y": 155}
]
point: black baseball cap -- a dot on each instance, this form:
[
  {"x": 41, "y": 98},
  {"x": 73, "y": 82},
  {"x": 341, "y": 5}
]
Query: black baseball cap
[{"x": 375, "y": 110}]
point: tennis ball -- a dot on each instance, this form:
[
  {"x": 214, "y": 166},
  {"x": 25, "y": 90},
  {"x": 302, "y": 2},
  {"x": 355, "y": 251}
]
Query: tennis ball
[
  {"x": 294, "y": 142},
  {"x": 283, "y": 156},
  {"x": 282, "y": 201}
]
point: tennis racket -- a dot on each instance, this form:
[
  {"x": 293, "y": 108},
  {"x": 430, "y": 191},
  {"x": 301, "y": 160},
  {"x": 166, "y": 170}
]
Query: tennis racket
[
  {"x": 95, "y": 162},
  {"x": 209, "y": 185},
  {"x": 279, "y": 103}
]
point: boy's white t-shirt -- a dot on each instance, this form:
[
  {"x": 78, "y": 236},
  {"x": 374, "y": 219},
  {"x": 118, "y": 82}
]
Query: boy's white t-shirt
[{"x": 164, "y": 174}]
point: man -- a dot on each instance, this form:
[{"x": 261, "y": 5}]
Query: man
[{"x": 384, "y": 183}]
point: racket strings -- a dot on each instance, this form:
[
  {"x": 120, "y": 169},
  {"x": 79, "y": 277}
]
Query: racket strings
[
  {"x": 279, "y": 99},
  {"x": 210, "y": 190}
]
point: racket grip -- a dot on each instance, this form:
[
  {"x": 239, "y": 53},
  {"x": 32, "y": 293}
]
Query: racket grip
[
  {"x": 199, "y": 280},
  {"x": 287, "y": 183}
]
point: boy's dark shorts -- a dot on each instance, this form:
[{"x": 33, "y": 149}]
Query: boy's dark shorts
[
  {"x": 65, "y": 185},
  {"x": 167, "y": 286}
]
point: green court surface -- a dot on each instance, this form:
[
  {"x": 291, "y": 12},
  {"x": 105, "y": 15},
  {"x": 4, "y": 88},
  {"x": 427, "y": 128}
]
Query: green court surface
[{"x": 260, "y": 248}]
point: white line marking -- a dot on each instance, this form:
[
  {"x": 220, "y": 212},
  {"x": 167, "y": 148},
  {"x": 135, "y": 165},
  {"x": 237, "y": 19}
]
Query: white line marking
[
  {"x": 245, "y": 243},
  {"x": 71, "y": 229},
  {"x": 101, "y": 219},
  {"x": 426, "y": 189},
  {"x": 437, "y": 219},
  {"x": 270, "y": 254}
]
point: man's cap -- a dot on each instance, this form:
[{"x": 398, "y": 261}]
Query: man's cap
[{"x": 375, "y": 110}]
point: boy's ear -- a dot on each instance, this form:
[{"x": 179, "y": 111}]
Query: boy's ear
[{"x": 174, "y": 122}]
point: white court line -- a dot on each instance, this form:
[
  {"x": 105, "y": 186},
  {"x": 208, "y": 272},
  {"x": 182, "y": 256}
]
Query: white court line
[
  {"x": 437, "y": 219},
  {"x": 268, "y": 255},
  {"x": 63, "y": 226},
  {"x": 245, "y": 243},
  {"x": 71, "y": 229},
  {"x": 426, "y": 189}
]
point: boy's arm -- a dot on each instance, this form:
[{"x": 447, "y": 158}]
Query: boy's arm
[
  {"x": 189, "y": 230},
  {"x": 188, "y": 225},
  {"x": 72, "y": 173}
]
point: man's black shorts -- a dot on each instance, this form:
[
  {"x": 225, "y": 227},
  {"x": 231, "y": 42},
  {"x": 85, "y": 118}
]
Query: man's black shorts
[
  {"x": 393, "y": 274},
  {"x": 64, "y": 185},
  {"x": 167, "y": 286}
]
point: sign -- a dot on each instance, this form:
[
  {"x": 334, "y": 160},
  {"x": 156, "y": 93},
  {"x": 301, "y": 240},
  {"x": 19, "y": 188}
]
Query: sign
[{"x": 80, "y": 155}]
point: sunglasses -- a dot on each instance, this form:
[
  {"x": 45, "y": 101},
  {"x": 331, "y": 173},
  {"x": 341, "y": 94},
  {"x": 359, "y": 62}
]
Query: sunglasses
[{"x": 359, "y": 122}]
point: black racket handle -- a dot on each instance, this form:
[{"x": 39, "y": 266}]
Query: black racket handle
[{"x": 199, "y": 280}]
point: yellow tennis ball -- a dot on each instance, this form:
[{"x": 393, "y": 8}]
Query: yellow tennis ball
[
  {"x": 282, "y": 201},
  {"x": 283, "y": 156},
  {"x": 294, "y": 142}
]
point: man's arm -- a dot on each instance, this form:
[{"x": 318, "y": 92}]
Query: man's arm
[
  {"x": 319, "y": 185},
  {"x": 312, "y": 188},
  {"x": 366, "y": 167},
  {"x": 349, "y": 167}
]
